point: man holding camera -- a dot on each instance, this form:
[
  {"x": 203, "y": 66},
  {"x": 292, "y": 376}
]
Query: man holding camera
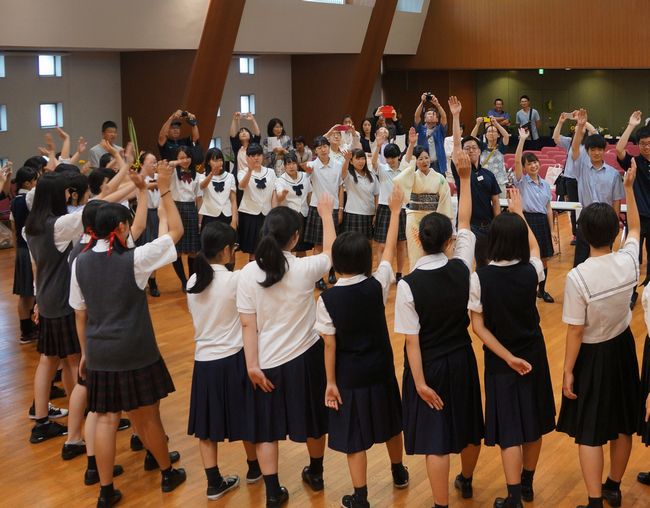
[
  {"x": 431, "y": 130},
  {"x": 169, "y": 138}
]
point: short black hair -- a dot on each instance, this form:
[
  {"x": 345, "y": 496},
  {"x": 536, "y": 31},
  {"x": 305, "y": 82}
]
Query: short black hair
[
  {"x": 499, "y": 99},
  {"x": 524, "y": 97},
  {"x": 467, "y": 139},
  {"x": 643, "y": 132},
  {"x": 38, "y": 162},
  {"x": 254, "y": 149},
  {"x": 290, "y": 157},
  {"x": 595, "y": 141},
  {"x": 508, "y": 238},
  {"x": 392, "y": 150},
  {"x": 96, "y": 179},
  {"x": 352, "y": 254},
  {"x": 24, "y": 175},
  {"x": 321, "y": 140},
  {"x": 599, "y": 225},
  {"x": 435, "y": 230},
  {"x": 528, "y": 157},
  {"x": 108, "y": 124},
  {"x": 105, "y": 160},
  {"x": 63, "y": 167},
  {"x": 417, "y": 151},
  {"x": 299, "y": 139}
]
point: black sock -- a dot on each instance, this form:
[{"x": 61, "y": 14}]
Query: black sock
[
  {"x": 542, "y": 285},
  {"x": 595, "y": 502},
  {"x": 527, "y": 477},
  {"x": 316, "y": 465},
  {"x": 514, "y": 494},
  {"x": 25, "y": 326},
  {"x": 464, "y": 478},
  {"x": 180, "y": 271},
  {"x": 361, "y": 493},
  {"x": 272, "y": 484},
  {"x": 106, "y": 491},
  {"x": 611, "y": 484},
  {"x": 190, "y": 265},
  {"x": 152, "y": 283},
  {"x": 436, "y": 505},
  {"x": 43, "y": 421},
  {"x": 214, "y": 476},
  {"x": 92, "y": 462},
  {"x": 253, "y": 464}
]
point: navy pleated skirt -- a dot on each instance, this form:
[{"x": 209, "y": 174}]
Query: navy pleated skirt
[
  {"x": 249, "y": 230},
  {"x": 644, "y": 427},
  {"x": 23, "y": 275},
  {"x": 58, "y": 336}
]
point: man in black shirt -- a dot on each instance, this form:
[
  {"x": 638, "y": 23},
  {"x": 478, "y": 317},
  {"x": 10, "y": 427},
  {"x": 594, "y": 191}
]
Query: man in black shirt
[{"x": 169, "y": 138}]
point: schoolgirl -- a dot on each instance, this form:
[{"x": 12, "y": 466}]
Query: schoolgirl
[
  {"x": 441, "y": 395},
  {"x": 121, "y": 362},
  {"x": 362, "y": 194},
  {"x": 293, "y": 189},
  {"x": 186, "y": 193},
  {"x": 536, "y": 200},
  {"x": 258, "y": 184},
  {"x": 362, "y": 393},
  {"x": 325, "y": 178},
  {"x": 284, "y": 354},
  {"x": 148, "y": 163},
  {"x": 519, "y": 404},
  {"x": 219, "y": 379},
  {"x": 25, "y": 180},
  {"x": 600, "y": 364},
  {"x": 219, "y": 192}
]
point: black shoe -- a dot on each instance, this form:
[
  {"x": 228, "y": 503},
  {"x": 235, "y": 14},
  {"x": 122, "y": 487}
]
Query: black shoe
[
  {"x": 398, "y": 277},
  {"x": 321, "y": 285},
  {"x": 643, "y": 478},
  {"x": 227, "y": 483},
  {"x": 527, "y": 493},
  {"x": 172, "y": 479},
  {"x": 613, "y": 497},
  {"x": 400, "y": 477},
  {"x": 105, "y": 502},
  {"x": 314, "y": 480},
  {"x": 56, "y": 392},
  {"x": 354, "y": 502},
  {"x": 70, "y": 451},
  {"x": 545, "y": 296},
  {"x": 91, "y": 476},
  {"x": 150, "y": 462},
  {"x": 53, "y": 412},
  {"x": 279, "y": 500},
  {"x": 28, "y": 337},
  {"x": 635, "y": 297},
  {"x": 153, "y": 288},
  {"x": 465, "y": 486},
  {"x": 124, "y": 424},
  {"x": 45, "y": 431},
  {"x": 136, "y": 443},
  {"x": 331, "y": 279},
  {"x": 501, "y": 502},
  {"x": 254, "y": 474}
]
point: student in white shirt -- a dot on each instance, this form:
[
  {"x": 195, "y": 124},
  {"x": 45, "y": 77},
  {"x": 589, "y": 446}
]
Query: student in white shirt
[
  {"x": 284, "y": 354},
  {"x": 362, "y": 192},
  {"x": 219, "y": 192},
  {"x": 258, "y": 184},
  {"x": 219, "y": 379},
  {"x": 601, "y": 389},
  {"x": 293, "y": 189}
]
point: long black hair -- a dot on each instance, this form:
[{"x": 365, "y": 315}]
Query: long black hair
[
  {"x": 358, "y": 154},
  {"x": 89, "y": 214},
  {"x": 109, "y": 216},
  {"x": 271, "y": 125},
  {"x": 279, "y": 227},
  {"x": 49, "y": 201},
  {"x": 24, "y": 175},
  {"x": 215, "y": 237},
  {"x": 215, "y": 154},
  {"x": 187, "y": 151}
]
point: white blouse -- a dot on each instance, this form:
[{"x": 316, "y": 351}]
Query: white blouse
[
  {"x": 258, "y": 195},
  {"x": 301, "y": 184},
  {"x": 216, "y": 196}
]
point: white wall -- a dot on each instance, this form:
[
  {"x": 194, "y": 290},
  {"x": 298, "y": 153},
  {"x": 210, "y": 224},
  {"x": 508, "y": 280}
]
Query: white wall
[{"x": 89, "y": 90}]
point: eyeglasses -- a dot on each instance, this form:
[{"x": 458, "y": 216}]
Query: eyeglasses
[
  {"x": 471, "y": 148},
  {"x": 644, "y": 144}
]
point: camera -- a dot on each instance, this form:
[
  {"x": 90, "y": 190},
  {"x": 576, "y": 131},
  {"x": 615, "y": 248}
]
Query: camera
[
  {"x": 428, "y": 97},
  {"x": 184, "y": 113}
]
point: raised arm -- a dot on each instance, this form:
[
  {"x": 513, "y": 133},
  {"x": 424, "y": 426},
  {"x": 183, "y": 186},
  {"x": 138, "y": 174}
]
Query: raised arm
[
  {"x": 478, "y": 123},
  {"x": 417, "y": 116},
  {"x": 65, "y": 148},
  {"x": 442, "y": 114},
  {"x": 633, "y": 221},
  {"x": 519, "y": 169},
  {"x": 173, "y": 219},
  {"x": 162, "y": 135},
  {"x": 505, "y": 135},
  {"x": 581, "y": 117},
  {"x": 81, "y": 148},
  {"x": 558, "y": 128},
  {"x": 633, "y": 123},
  {"x": 140, "y": 220},
  {"x": 455, "y": 107},
  {"x": 379, "y": 142},
  {"x": 191, "y": 119},
  {"x": 395, "y": 205},
  {"x": 234, "y": 124},
  {"x": 255, "y": 128},
  {"x": 464, "y": 168},
  {"x": 413, "y": 139},
  {"x": 347, "y": 155}
]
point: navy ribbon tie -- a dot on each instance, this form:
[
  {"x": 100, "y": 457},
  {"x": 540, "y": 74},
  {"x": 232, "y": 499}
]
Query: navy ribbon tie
[
  {"x": 261, "y": 183},
  {"x": 219, "y": 186},
  {"x": 298, "y": 189}
]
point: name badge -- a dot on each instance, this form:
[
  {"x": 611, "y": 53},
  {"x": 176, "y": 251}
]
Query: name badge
[{"x": 480, "y": 178}]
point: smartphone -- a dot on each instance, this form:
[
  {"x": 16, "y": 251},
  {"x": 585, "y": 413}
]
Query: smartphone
[
  {"x": 341, "y": 128},
  {"x": 387, "y": 111},
  {"x": 486, "y": 119},
  {"x": 569, "y": 116}
]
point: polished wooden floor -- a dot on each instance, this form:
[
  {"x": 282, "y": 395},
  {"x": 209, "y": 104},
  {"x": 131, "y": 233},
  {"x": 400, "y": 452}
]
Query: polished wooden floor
[{"x": 35, "y": 475}]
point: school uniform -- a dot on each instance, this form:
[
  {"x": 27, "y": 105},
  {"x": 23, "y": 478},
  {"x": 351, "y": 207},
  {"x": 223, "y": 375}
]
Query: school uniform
[
  {"x": 535, "y": 197},
  {"x": 296, "y": 199},
  {"x": 255, "y": 205},
  {"x": 290, "y": 352},
  {"x": 324, "y": 178},
  {"x": 431, "y": 302},
  {"x": 150, "y": 232},
  {"x": 385, "y": 177},
  {"x": 518, "y": 409},
  {"x": 23, "y": 275},
  {"x": 353, "y": 310},
  {"x": 644, "y": 427},
  {"x": 216, "y": 199},
  {"x": 57, "y": 329},
  {"x": 360, "y": 204},
  {"x": 185, "y": 190},
  {"x": 124, "y": 368},
  {"x": 219, "y": 379},
  {"x": 606, "y": 372}
]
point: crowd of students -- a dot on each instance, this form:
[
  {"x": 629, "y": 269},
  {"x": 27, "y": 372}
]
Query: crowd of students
[{"x": 308, "y": 369}]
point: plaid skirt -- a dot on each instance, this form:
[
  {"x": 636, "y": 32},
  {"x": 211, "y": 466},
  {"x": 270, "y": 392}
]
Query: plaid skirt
[
  {"x": 58, "y": 336},
  {"x": 302, "y": 245},
  {"x": 355, "y": 223},
  {"x": 150, "y": 232},
  {"x": 381, "y": 224},
  {"x": 191, "y": 241},
  {"x": 314, "y": 226},
  {"x": 249, "y": 230},
  {"x": 538, "y": 223},
  {"x": 111, "y": 392},
  {"x": 23, "y": 275}
]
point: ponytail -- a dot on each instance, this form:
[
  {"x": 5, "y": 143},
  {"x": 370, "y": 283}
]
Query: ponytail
[
  {"x": 279, "y": 227},
  {"x": 215, "y": 237}
]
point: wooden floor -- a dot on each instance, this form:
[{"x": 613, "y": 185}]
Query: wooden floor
[{"x": 35, "y": 475}]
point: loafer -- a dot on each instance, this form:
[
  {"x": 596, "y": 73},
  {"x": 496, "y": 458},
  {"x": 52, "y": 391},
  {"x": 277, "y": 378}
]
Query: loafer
[
  {"x": 331, "y": 279},
  {"x": 136, "y": 443},
  {"x": 400, "y": 477},
  {"x": 154, "y": 292},
  {"x": 105, "y": 502},
  {"x": 501, "y": 502},
  {"x": 72, "y": 450},
  {"x": 172, "y": 479},
  {"x": 47, "y": 431},
  {"x": 227, "y": 484},
  {"x": 124, "y": 424},
  {"x": 613, "y": 497},
  {"x": 279, "y": 500},
  {"x": 465, "y": 486},
  {"x": 353, "y": 502},
  {"x": 314, "y": 480},
  {"x": 321, "y": 285},
  {"x": 545, "y": 296},
  {"x": 643, "y": 478},
  {"x": 91, "y": 476},
  {"x": 150, "y": 462}
]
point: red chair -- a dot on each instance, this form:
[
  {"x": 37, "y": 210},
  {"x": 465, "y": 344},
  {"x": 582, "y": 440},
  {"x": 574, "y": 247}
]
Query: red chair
[
  {"x": 543, "y": 168},
  {"x": 610, "y": 158}
]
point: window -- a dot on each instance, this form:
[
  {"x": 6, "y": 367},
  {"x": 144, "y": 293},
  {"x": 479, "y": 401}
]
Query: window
[
  {"x": 218, "y": 112},
  {"x": 51, "y": 115},
  {"x": 247, "y": 103},
  {"x": 337, "y": 2},
  {"x": 49, "y": 65},
  {"x": 3, "y": 117},
  {"x": 246, "y": 65},
  {"x": 410, "y": 5},
  {"x": 2, "y": 66},
  {"x": 215, "y": 143}
]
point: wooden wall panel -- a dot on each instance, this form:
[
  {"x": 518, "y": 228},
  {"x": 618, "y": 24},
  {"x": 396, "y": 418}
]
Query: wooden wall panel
[{"x": 515, "y": 34}]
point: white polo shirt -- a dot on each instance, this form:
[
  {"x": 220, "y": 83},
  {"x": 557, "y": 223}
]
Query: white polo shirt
[
  {"x": 385, "y": 175},
  {"x": 258, "y": 194},
  {"x": 286, "y": 311},
  {"x": 325, "y": 178},
  {"x": 216, "y": 196},
  {"x": 217, "y": 328},
  {"x": 361, "y": 194},
  {"x": 301, "y": 184}
]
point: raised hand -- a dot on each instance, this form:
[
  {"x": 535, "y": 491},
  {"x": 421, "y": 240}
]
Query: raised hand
[
  {"x": 138, "y": 180},
  {"x": 454, "y": 105},
  {"x": 62, "y": 134},
  {"x": 635, "y": 119},
  {"x": 109, "y": 148},
  {"x": 523, "y": 133},
  {"x": 325, "y": 205},
  {"x": 164, "y": 170},
  {"x": 396, "y": 199},
  {"x": 49, "y": 143},
  {"x": 581, "y": 116},
  {"x": 514, "y": 201},
  {"x": 82, "y": 144},
  {"x": 630, "y": 175},
  {"x": 333, "y": 397},
  {"x": 413, "y": 136},
  {"x": 236, "y": 115},
  {"x": 462, "y": 162},
  {"x": 428, "y": 395},
  {"x": 479, "y": 120},
  {"x": 520, "y": 366}
]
